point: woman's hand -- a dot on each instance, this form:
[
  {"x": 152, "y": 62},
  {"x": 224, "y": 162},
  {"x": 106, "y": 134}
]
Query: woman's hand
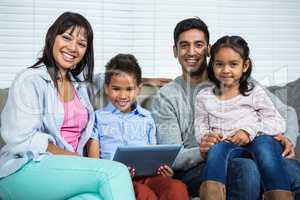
[
  {"x": 207, "y": 141},
  {"x": 240, "y": 138},
  {"x": 288, "y": 151},
  {"x": 93, "y": 148},
  {"x": 165, "y": 170},
  {"x": 52, "y": 148}
]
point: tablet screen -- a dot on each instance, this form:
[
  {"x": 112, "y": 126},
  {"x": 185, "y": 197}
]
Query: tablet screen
[{"x": 147, "y": 159}]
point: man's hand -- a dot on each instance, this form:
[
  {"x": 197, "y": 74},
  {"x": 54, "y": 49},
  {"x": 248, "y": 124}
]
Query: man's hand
[
  {"x": 288, "y": 149},
  {"x": 207, "y": 141},
  {"x": 240, "y": 138}
]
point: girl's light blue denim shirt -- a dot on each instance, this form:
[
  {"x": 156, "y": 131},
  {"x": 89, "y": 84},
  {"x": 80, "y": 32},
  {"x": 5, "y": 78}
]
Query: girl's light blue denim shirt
[{"x": 33, "y": 116}]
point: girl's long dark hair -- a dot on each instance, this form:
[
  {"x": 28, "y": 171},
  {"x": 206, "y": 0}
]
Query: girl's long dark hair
[
  {"x": 239, "y": 45},
  {"x": 64, "y": 22}
]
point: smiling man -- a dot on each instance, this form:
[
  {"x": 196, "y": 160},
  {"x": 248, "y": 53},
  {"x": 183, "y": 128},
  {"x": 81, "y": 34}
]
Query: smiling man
[{"x": 173, "y": 113}]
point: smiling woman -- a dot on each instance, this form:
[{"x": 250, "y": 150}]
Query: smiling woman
[
  {"x": 50, "y": 103},
  {"x": 69, "y": 48}
]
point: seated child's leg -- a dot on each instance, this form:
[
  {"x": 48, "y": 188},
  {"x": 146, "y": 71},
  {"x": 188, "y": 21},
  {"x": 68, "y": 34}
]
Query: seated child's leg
[
  {"x": 267, "y": 154},
  {"x": 217, "y": 161},
  {"x": 143, "y": 192},
  {"x": 167, "y": 188}
]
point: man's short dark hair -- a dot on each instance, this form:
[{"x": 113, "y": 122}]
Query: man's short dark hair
[
  {"x": 123, "y": 63},
  {"x": 190, "y": 23}
]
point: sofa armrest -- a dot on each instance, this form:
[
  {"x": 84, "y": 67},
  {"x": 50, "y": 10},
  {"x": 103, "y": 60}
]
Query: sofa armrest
[
  {"x": 297, "y": 148},
  {"x": 1, "y": 142}
]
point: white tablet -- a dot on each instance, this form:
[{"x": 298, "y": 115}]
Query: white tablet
[{"x": 147, "y": 159}]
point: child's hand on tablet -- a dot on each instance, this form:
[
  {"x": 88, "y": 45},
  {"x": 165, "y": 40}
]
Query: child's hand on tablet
[
  {"x": 165, "y": 170},
  {"x": 131, "y": 171}
]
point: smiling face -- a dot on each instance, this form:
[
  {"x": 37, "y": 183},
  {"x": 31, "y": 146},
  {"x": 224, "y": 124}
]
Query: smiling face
[
  {"x": 191, "y": 51},
  {"x": 69, "y": 48},
  {"x": 122, "y": 91},
  {"x": 229, "y": 67}
]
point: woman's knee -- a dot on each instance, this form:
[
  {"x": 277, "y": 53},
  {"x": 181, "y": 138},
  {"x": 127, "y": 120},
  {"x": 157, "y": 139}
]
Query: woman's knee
[
  {"x": 4, "y": 194},
  {"x": 119, "y": 166},
  {"x": 110, "y": 167}
]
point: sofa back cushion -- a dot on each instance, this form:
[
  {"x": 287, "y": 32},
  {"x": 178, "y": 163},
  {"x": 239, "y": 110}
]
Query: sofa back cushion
[
  {"x": 143, "y": 99},
  {"x": 3, "y": 97},
  {"x": 289, "y": 94},
  {"x": 99, "y": 100}
]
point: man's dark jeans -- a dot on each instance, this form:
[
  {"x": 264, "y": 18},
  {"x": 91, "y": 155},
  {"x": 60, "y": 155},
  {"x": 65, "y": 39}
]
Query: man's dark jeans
[{"x": 243, "y": 181}]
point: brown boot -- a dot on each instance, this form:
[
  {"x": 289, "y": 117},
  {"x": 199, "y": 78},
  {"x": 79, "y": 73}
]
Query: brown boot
[
  {"x": 278, "y": 195},
  {"x": 212, "y": 190}
]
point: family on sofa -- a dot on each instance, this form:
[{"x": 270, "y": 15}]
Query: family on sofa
[{"x": 53, "y": 139}]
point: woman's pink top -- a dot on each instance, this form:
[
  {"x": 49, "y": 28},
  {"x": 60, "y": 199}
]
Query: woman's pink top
[{"x": 75, "y": 120}]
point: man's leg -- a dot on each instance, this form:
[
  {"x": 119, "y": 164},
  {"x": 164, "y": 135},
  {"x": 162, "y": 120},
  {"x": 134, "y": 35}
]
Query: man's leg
[
  {"x": 192, "y": 178},
  {"x": 293, "y": 169},
  {"x": 243, "y": 180}
]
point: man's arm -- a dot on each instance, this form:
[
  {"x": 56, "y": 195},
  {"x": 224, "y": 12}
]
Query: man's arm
[
  {"x": 169, "y": 131},
  {"x": 288, "y": 151}
]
